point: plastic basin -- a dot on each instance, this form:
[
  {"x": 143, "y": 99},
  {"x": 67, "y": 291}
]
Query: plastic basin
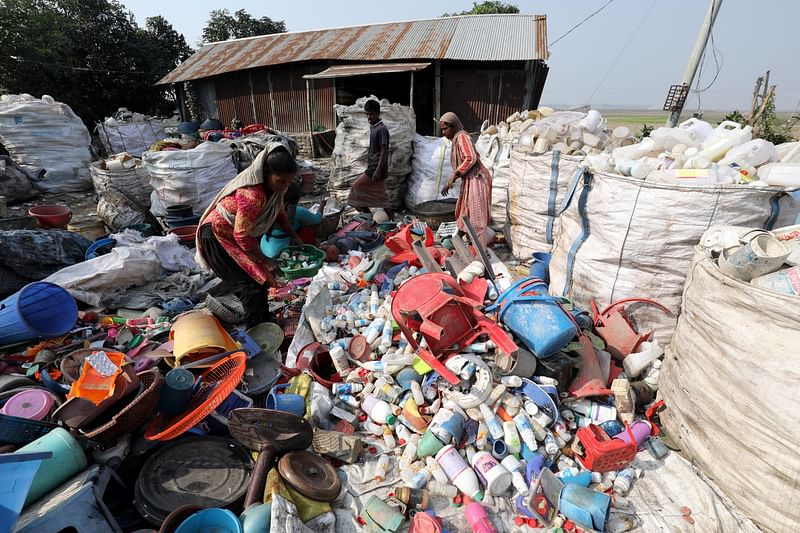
[
  {"x": 185, "y": 233},
  {"x": 208, "y": 520},
  {"x": 51, "y": 216}
]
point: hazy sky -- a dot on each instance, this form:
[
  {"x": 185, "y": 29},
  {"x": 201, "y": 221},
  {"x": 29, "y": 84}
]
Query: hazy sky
[{"x": 605, "y": 61}]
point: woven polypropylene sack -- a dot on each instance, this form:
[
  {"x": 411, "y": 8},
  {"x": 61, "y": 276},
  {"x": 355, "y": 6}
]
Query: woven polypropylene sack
[
  {"x": 430, "y": 170},
  {"x": 729, "y": 380},
  {"x": 41, "y": 135},
  {"x": 134, "y": 181},
  {"x": 132, "y": 137},
  {"x": 626, "y": 238},
  {"x": 191, "y": 177},
  {"x": 352, "y": 144},
  {"x": 536, "y": 190}
]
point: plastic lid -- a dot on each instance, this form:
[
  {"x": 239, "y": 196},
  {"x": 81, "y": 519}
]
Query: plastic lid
[
  {"x": 358, "y": 348},
  {"x": 478, "y": 495},
  {"x": 391, "y": 419},
  {"x": 207, "y": 471},
  {"x": 33, "y": 404}
]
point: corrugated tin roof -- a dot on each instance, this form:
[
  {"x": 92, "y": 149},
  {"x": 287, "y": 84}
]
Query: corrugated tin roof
[
  {"x": 342, "y": 71},
  {"x": 470, "y": 38}
]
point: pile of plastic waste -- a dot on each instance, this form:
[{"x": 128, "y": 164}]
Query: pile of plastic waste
[{"x": 463, "y": 386}]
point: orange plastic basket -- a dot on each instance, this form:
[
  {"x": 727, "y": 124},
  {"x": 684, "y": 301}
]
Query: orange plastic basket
[
  {"x": 91, "y": 385},
  {"x": 216, "y": 384}
]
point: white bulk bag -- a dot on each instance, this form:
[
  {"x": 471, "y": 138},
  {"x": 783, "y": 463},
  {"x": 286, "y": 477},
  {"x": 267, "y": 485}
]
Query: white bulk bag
[
  {"x": 730, "y": 382},
  {"x": 46, "y": 135},
  {"x": 536, "y": 190},
  {"x": 132, "y": 137},
  {"x": 191, "y": 177},
  {"x": 625, "y": 238},
  {"x": 430, "y": 170}
]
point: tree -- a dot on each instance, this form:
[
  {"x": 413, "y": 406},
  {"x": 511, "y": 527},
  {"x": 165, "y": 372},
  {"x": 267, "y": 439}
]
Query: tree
[
  {"x": 492, "y": 7},
  {"x": 222, "y": 26},
  {"x": 89, "y": 54}
]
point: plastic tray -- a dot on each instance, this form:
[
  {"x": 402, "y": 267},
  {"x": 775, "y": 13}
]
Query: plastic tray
[{"x": 315, "y": 256}]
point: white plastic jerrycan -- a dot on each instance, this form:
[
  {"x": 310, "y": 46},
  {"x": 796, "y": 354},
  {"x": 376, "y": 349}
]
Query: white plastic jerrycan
[{"x": 753, "y": 153}]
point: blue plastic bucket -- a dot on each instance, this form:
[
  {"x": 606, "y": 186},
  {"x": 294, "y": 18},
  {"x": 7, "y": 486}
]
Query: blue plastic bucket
[
  {"x": 535, "y": 317},
  {"x": 39, "y": 309},
  {"x": 207, "y": 520},
  {"x": 17, "y": 471},
  {"x": 540, "y": 266}
]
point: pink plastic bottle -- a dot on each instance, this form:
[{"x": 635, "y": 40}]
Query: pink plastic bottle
[{"x": 478, "y": 519}]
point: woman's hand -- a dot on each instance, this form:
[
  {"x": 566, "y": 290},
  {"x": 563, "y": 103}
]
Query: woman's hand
[{"x": 449, "y": 185}]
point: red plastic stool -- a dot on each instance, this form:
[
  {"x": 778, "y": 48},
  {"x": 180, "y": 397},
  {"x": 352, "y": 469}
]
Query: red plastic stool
[{"x": 600, "y": 452}]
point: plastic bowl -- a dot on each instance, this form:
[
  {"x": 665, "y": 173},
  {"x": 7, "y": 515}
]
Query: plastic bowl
[
  {"x": 51, "y": 216},
  {"x": 214, "y": 519},
  {"x": 186, "y": 234}
]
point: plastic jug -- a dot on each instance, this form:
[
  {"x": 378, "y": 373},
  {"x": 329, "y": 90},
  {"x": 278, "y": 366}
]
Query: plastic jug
[
  {"x": 670, "y": 137},
  {"x": 724, "y": 137},
  {"x": 753, "y": 153},
  {"x": 634, "y": 169},
  {"x": 780, "y": 174},
  {"x": 789, "y": 152},
  {"x": 648, "y": 147},
  {"x": 636, "y": 362},
  {"x": 699, "y": 129}
]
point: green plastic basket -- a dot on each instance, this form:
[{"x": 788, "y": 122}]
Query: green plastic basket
[{"x": 294, "y": 270}]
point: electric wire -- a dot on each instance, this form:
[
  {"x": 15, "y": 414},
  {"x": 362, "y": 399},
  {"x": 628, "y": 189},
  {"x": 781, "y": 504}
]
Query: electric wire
[{"x": 575, "y": 27}]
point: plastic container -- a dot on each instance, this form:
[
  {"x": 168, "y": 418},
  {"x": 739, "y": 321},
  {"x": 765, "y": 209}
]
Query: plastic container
[
  {"x": 762, "y": 255},
  {"x": 598, "y": 412},
  {"x": 641, "y": 432},
  {"x": 753, "y": 154},
  {"x": 478, "y": 519},
  {"x": 211, "y": 521},
  {"x": 648, "y": 147},
  {"x": 699, "y": 129},
  {"x": 786, "y": 281},
  {"x": 93, "y": 386},
  {"x": 17, "y": 470},
  {"x": 491, "y": 473},
  {"x": 458, "y": 472},
  {"x": 638, "y": 361},
  {"x": 378, "y": 410},
  {"x": 51, "y": 216},
  {"x": 724, "y": 137},
  {"x": 39, "y": 309},
  {"x": 780, "y": 174},
  {"x": 623, "y": 481},
  {"x": 32, "y": 404},
  {"x": 67, "y": 460}
]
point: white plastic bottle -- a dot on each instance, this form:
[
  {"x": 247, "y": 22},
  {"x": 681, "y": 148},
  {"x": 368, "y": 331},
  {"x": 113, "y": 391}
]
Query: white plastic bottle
[
  {"x": 378, "y": 410},
  {"x": 388, "y": 438},
  {"x": 724, "y": 137},
  {"x": 440, "y": 488},
  {"x": 623, "y": 481},
  {"x": 511, "y": 437},
  {"x": 699, "y": 128},
  {"x": 752, "y": 154},
  {"x": 435, "y": 470},
  {"x": 638, "y": 361},
  {"x": 382, "y": 467},
  {"x": 523, "y": 425},
  {"x": 459, "y": 472},
  {"x": 492, "y": 422},
  {"x": 339, "y": 359},
  {"x": 780, "y": 174}
]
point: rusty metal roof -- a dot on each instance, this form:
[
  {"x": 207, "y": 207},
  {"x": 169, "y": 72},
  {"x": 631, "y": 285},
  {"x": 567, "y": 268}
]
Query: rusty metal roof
[
  {"x": 342, "y": 71},
  {"x": 469, "y": 38}
]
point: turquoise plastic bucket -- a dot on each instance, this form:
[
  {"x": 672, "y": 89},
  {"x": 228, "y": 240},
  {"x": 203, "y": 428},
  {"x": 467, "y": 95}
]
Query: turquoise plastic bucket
[
  {"x": 17, "y": 471},
  {"x": 39, "y": 309},
  {"x": 68, "y": 459},
  {"x": 211, "y": 520},
  {"x": 535, "y": 317}
]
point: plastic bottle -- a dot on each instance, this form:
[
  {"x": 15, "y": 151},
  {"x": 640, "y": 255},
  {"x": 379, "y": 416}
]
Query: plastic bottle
[
  {"x": 347, "y": 388},
  {"x": 339, "y": 359},
  {"x": 349, "y": 400},
  {"x": 647, "y": 147},
  {"x": 511, "y": 437},
  {"x": 388, "y": 438},
  {"x": 409, "y": 453},
  {"x": 378, "y": 410},
  {"x": 753, "y": 153},
  {"x": 435, "y": 470},
  {"x": 403, "y": 434},
  {"x": 386, "y": 336},
  {"x": 724, "y": 137},
  {"x": 592, "y": 121},
  {"x": 641, "y": 430},
  {"x": 550, "y": 445},
  {"x": 416, "y": 393},
  {"x": 382, "y": 467},
  {"x": 598, "y": 412},
  {"x": 513, "y": 465},
  {"x": 638, "y": 361},
  {"x": 634, "y": 168},
  {"x": 492, "y": 422},
  {"x": 459, "y": 472},
  {"x": 374, "y": 302},
  {"x": 699, "y": 129},
  {"x": 491, "y": 473},
  {"x": 442, "y": 488},
  {"x": 478, "y": 519},
  {"x": 420, "y": 479},
  {"x": 623, "y": 481},
  {"x": 372, "y": 427},
  {"x": 482, "y": 439},
  {"x": 525, "y": 429},
  {"x": 651, "y": 376},
  {"x": 497, "y": 393},
  {"x": 374, "y": 330},
  {"x": 511, "y": 381},
  {"x": 511, "y": 403}
]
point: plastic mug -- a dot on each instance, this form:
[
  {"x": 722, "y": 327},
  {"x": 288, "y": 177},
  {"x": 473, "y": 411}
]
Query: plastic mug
[
  {"x": 176, "y": 392},
  {"x": 288, "y": 402}
]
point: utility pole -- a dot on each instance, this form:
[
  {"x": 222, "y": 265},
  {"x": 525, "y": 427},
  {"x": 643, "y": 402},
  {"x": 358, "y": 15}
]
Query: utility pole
[{"x": 697, "y": 55}]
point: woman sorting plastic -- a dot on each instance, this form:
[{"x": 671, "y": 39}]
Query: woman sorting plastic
[
  {"x": 475, "y": 199},
  {"x": 231, "y": 227},
  {"x": 301, "y": 219}
]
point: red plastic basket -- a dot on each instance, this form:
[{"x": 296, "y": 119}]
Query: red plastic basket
[
  {"x": 601, "y": 453},
  {"x": 216, "y": 384}
]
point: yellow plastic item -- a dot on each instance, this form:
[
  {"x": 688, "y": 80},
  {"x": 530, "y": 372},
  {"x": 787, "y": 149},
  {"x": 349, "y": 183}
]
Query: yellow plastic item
[
  {"x": 420, "y": 366},
  {"x": 196, "y": 335},
  {"x": 94, "y": 387},
  {"x": 307, "y": 509},
  {"x": 301, "y": 385}
]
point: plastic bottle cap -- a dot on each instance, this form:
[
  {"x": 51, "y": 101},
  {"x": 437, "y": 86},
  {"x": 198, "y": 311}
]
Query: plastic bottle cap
[
  {"x": 518, "y": 521},
  {"x": 391, "y": 419}
]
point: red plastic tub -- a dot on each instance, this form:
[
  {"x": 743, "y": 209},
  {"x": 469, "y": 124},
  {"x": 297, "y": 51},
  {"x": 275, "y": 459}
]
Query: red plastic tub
[{"x": 51, "y": 216}]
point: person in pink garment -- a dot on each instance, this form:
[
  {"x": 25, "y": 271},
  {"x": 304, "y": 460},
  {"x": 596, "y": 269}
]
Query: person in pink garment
[{"x": 475, "y": 199}]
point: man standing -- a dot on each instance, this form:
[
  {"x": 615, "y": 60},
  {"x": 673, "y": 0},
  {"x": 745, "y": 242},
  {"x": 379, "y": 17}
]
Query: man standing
[{"x": 369, "y": 190}]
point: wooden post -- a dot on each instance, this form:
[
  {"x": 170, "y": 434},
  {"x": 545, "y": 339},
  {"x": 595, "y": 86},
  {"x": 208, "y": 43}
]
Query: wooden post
[
  {"x": 272, "y": 102},
  {"x": 437, "y": 94},
  {"x": 252, "y": 96},
  {"x": 308, "y": 104},
  {"x": 411, "y": 95}
]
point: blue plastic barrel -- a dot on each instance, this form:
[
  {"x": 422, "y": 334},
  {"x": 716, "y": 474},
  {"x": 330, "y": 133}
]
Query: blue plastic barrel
[{"x": 39, "y": 309}]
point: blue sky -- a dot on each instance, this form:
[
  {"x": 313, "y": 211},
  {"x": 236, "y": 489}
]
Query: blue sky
[{"x": 605, "y": 61}]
